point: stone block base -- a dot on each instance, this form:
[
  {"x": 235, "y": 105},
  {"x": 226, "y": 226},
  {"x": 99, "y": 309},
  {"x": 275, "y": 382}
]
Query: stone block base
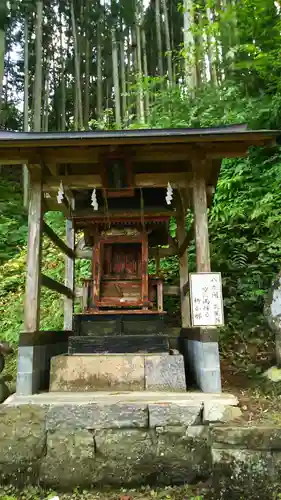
[
  {"x": 64, "y": 444},
  {"x": 126, "y": 372}
]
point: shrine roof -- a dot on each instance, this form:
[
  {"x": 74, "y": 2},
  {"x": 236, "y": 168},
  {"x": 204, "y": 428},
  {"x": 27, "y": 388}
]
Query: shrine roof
[
  {"x": 230, "y": 133},
  {"x": 77, "y": 160}
]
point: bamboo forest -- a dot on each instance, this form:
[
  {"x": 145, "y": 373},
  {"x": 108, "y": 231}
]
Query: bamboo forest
[{"x": 121, "y": 64}]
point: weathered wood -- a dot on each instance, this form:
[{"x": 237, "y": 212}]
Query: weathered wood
[
  {"x": 52, "y": 183},
  {"x": 145, "y": 180},
  {"x": 86, "y": 254},
  {"x": 183, "y": 263},
  {"x": 148, "y": 180},
  {"x": 96, "y": 269},
  {"x": 34, "y": 251},
  {"x": 58, "y": 242},
  {"x": 160, "y": 306},
  {"x": 169, "y": 290},
  {"x": 144, "y": 274},
  {"x": 56, "y": 286},
  {"x": 203, "y": 263},
  {"x": 69, "y": 275},
  {"x": 188, "y": 238},
  {"x": 153, "y": 252},
  {"x": 51, "y": 204}
]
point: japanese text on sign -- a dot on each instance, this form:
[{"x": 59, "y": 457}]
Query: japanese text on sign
[{"x": 206, "y": 299}]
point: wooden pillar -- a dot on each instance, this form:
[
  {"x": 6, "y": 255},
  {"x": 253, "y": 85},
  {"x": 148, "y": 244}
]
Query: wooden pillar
[
  {"x": 203, "y": 355},
  {"x": 69, "y": 276},
  {"x": 183, "y": 263},
  {"x": 34, "y": 251},
  {"x": 157, "y": 262},
  {"x": 201, "y": 224},
  {"x": 144, "y": 258}
]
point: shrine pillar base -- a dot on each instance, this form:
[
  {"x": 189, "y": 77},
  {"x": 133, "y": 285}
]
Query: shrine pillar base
[
  {"x": 201, "y": 352},
  {"x": 34, "y": 358}
]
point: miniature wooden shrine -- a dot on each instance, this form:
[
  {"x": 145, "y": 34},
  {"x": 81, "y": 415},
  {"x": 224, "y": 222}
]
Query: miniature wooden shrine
[
  {"x": 120, "y": 275},
  {"x": 118, "y": 191}
]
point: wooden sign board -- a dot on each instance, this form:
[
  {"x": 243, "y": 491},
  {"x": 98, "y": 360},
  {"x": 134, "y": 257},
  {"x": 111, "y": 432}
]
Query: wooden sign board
[{"x": 206, "y": 299}]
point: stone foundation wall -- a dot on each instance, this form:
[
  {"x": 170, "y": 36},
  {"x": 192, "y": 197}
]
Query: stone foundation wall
[{"x": 130, "y": 444}]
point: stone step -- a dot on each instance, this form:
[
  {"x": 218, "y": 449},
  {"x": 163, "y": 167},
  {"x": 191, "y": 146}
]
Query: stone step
[
  {"x": 118, "y": 344},
  {"x": 126, "y": 372},
  {"x": 189, "y": 398}
]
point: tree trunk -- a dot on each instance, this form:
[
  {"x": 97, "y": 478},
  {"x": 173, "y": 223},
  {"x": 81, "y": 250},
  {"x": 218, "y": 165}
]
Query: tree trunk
[
  {"x": 123, "y": 78},
  {"x": 135, "y": 66},
  {"x": 87, "y": 82},
  {"x": 223, "y": 36},
  {"x": 168, "y": 41},
  {"x": 140, "y": 77},
  {"x": 62, "y": 79},
  {"x": 88, "y": 59},
  {"x": 116, "y": 78},
  {"x": 199, "y": 59},
  {"x": 159, "y": 37},
  {"x": 78, "y": 93},
  {"x": 99, "y": 67},
  {"x": 3, "y": 14},
  {"x": 145, "y": 68},
  {"x": 45, "y": 121},
  {"x": 25, "y": 110},
  {"x": 38, "y": 67},
  {"x": 189, "y": 66},
  {"x": 26, "y": 79},
  {"x": 211, "y": 48}
]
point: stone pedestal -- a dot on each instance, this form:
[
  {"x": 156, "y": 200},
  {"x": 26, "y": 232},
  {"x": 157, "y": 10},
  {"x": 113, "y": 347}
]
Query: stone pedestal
[
  {"x": 118, "y": 372},
  {"x": 201, "y": 352}
]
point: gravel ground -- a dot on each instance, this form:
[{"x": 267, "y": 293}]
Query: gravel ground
[{"x": 180, "y": 493}]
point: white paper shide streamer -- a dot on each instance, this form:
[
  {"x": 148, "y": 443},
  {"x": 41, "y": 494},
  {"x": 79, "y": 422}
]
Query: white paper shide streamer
[
  {"x": 94, "y": 200},
  {"x": 60, "y": 194},
  {"x": 169, "y": 195}
]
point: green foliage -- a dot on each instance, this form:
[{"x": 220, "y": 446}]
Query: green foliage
[
  {"x": 13, "y": 221},
  {"x": 245, "y": 233}
]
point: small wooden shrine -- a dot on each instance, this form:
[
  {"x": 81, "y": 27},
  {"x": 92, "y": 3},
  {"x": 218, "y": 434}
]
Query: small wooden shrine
[{"x": 118, "y": 191}]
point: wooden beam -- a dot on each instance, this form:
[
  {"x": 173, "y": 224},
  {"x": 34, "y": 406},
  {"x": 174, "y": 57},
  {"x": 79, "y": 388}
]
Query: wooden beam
[
  {"x": 57, "y": 241},
  {"x": 153, "y": 252},
  {"x": 188, "y": 238},
  {"x": 203, "y": 263},
  {"x": 34, "y": 252},
  {"x": 183, "y": 262},
  {"x": 52, "y": 183},
  {"x": 84, "y": 254},
  {"x": 17, "y": 156},
  {"x": 69, "y": 276},
  {"x": 56, "y": 286},
  {"x": 146, "y": 180},
  {"x": 168, "y": 290},
  {"x": 161, "y": 180},
  {"x": 72, "y": 154},
  {"x": 162, "y": 252},
  {"x": 172, "y": 290}
]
